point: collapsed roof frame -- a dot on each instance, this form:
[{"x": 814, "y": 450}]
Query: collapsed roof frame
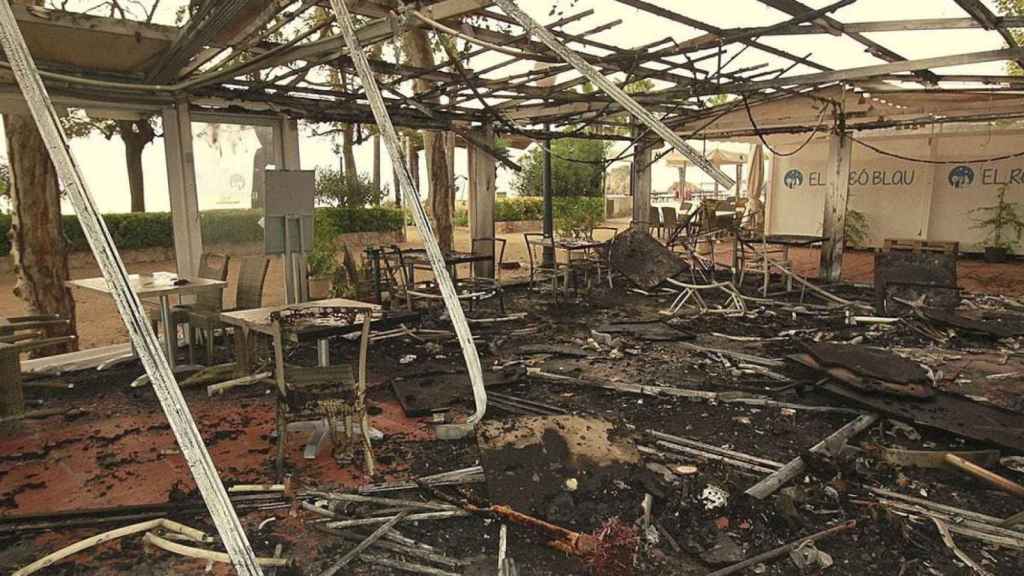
[{"x": 232, "y": 58}]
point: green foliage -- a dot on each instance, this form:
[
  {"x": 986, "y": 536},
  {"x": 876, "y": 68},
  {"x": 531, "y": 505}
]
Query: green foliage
[
  {"x": 5, "y": 230},
  {"x": 573, "y": 216},
  {"x": 857, "y": 228},
  {"x": 346, "y": 190},
  {"x": 1012, "y": 8},
  {"x": 1000, "y": 220},
  {"x": 132, "y": 231},
  {"x": 578, "y": 216},
  {"x": 349, "y": 220},
  {"x": 577, "y": 169}
]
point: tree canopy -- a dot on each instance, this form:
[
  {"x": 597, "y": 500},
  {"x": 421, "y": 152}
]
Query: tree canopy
[{"x": 577, "y": 168}]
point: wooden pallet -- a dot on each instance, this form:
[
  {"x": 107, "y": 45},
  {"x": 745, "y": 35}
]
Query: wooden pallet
[{"x": 918, "y": 245}]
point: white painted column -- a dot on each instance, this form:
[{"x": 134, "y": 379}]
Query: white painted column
[
  {"x": 482, "y": 189},
  {"x": 181, "y": 186},
  {"x": 286, "y": 139},
  {"x": 837, "y": 193}
]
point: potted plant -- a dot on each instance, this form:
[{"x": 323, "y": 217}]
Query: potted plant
[
  {"x": 321, "y": 267},
  {"x": 1003, "y": 224}
]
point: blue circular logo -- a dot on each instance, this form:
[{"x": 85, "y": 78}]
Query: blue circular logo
[
  {"x": 961, "y": 177},
  {"x": 793, "y": 178}
]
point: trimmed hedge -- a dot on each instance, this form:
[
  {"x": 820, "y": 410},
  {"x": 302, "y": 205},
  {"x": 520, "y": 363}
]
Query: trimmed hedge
[
  {"x": 134, "y": 231},
  {"x": 524, "y": 208}
]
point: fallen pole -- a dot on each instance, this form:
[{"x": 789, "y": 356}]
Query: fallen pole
[
  {"x": 128, "y": 304},
  {"x": 783, "y": 550},
  {"x": 419, "y": 216},
  {"x": 376, "y": 535},
  {"x": 794, "y": 467}
]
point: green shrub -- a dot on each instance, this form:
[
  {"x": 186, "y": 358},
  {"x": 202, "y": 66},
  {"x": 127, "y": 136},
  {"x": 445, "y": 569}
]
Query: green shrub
[
  {"x": 572, "y": 214},
  {"x": 133, "y": 231},
  {"x": 230, "y": 226},
  {"x": 5, "y": 229},
  {"x": 333, "y": 188},
  {"x": 349, "y": 220}
]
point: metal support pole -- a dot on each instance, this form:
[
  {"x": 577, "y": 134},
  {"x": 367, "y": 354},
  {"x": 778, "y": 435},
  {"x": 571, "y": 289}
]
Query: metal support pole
[
  {"x": 616, "y": 93},
  {"x": 549, "y": 208},
  {"x": 412, "y": 200},
  {"x": 128, "y": 304}
]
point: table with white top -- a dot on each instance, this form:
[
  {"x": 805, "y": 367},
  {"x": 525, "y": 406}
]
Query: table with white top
[{"x": 162, "y": 285}]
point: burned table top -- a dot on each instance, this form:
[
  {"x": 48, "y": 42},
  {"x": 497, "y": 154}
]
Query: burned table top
[{"x": 866, "y": 361}]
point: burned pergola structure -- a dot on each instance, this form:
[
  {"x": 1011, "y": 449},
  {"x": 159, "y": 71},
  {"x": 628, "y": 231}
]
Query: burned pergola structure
[
  {"x": 259, "y": 61},
  {"x": 262, "y": 62}
]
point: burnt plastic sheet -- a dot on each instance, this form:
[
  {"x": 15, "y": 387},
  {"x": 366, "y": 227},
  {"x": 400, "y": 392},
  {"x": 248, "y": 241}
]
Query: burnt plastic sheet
[
  {"x": 866, "y": 361},
  {"x": 436, "y": 392},
  {"x": 945, "y": 411},
  {"x": 643, "y": 260}
]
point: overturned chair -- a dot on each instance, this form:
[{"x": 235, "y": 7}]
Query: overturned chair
[
  {"x": 330, "y": 394},
  {"x": 690, "y": 294}
]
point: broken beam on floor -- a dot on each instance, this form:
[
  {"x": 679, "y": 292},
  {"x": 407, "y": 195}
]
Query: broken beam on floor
[{"x": 128, "y": 304}]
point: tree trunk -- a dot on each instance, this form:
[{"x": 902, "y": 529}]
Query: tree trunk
[
  {"x": 37, "y": 235},
  {"x": 440, "y": 198},
  {"x": 347, "y": 152},
  {"x": 136, "y": 135},
  {"x": 376, "y": 163}
]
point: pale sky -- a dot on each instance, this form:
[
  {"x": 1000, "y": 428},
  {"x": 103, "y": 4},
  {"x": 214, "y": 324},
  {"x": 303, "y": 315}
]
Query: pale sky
[{"x": 224, "y": 167}]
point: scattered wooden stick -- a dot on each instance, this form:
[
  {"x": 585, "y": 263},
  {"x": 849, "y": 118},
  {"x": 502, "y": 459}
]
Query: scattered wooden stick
[
  {"x": 209, "y": 375},
  {"x": 257, "y": 488},
  {"x": 405, "y": 566},
  {"x": 715, "y": 449},
  {"x": 473, "y": 474},
  {"x": 1004, "y": 484},
  {"x": 1012, "y": 521},
  {"x": 410, "y": 518},
  {"x": 203, "y": 554},
  {"x": 794, "y": 467},
  {"x": 398, "y": 502},
  {"x": 783, "y": 550},
  {"x": 376, "y": 535},
  {"x": 44, "y": 413},
  {"x": 947, "y": 538},
  {"x": 236, "y": 382},
  {"x": 98, "y": 539}
]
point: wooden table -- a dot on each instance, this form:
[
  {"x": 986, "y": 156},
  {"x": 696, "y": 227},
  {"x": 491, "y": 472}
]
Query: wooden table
[
  {"x": 257, "y": 321},
  {"x": 162, "y": 285},
  {"x": 452, "y": 259},
  {"x": 247, "y": 323}
]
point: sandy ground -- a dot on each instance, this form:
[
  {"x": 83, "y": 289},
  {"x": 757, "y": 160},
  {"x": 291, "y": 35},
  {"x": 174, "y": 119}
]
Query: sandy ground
[{"x": 99, "y": 323}]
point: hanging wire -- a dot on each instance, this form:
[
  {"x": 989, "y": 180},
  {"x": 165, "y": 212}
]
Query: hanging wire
[
  {"x": 874, "y": 148},
  {"x": 760, "y": 136}
]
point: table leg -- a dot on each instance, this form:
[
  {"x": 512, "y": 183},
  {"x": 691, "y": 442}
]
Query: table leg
[
  {"x": 242, "y": 363},
  {"x": 323, "y": 352},
  {"x": 170, "y": 331}
]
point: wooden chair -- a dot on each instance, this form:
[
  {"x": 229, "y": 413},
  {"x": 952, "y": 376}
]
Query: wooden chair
[
  {"x": 212, "y": 267},
  {"x": 654, "y": 215},
  {"x": 497, "y": 256},
  {"x": 248, "y": 295},
  {"x": 325, "y": 393}
]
